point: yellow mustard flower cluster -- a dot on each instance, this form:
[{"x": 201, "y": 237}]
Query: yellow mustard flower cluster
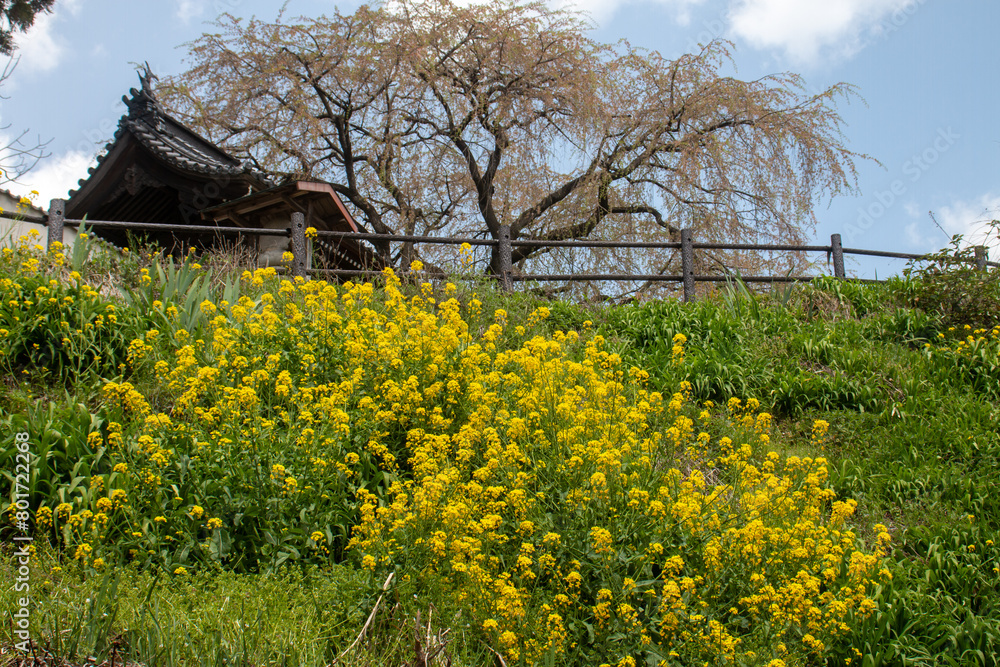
[
  {"x": 488, "y": 530},
  {"x": 532, "y": 482},
  {"x": 967, "y": 343},
  {"x": 41, "y": 302}
]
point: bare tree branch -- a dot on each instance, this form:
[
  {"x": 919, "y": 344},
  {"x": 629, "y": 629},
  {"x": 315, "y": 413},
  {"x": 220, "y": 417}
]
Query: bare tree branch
[{"x": 434, "y": 117}]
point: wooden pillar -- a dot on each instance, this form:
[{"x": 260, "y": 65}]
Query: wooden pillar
[
  {"x": 837, "y": 250},
  {"x": 298, "y": 233},
  {"x": 687, "y": 264},
  {"x": 57, "y": 215}
]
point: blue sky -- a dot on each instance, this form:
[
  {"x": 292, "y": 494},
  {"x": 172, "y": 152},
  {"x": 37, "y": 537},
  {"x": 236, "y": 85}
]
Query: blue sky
[{"x": 928, "y": 72}]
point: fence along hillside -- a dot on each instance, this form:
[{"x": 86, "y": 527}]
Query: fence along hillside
[{"x": 296, "y": 233}]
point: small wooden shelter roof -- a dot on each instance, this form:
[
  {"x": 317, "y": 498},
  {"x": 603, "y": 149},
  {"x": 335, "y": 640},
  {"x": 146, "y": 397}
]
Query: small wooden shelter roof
[
  {"x": 322, "y": 209},
  {"x": 320, "y": 204}
]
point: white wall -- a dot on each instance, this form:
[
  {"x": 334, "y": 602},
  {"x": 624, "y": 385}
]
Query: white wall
[{"x": 11, "y": 229}]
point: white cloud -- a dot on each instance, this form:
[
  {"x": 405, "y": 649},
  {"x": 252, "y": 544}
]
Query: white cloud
[
  {"x": 915, "y": 234},
  {"x": 73, "y": 6},
  {"x": 807, "y": 29},
  {"x": 971, "y": 219},
  {"x": 54, "y": 177},
  {"x": 189, "y": 9},
  {"x": 596, "y": 9},
  {"x": 39, "y": 48},
  {"x": 921, "y": 234}
]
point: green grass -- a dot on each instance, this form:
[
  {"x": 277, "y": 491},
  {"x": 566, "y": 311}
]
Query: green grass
[{"x": 294, "y": 617}]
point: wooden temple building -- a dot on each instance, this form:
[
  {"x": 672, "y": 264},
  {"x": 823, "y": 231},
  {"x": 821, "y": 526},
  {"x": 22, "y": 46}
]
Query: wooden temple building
[{"x": 158, "y": 170}]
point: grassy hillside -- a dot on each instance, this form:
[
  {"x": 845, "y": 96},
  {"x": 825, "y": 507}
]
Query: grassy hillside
[{"x": 229, "y": 467}]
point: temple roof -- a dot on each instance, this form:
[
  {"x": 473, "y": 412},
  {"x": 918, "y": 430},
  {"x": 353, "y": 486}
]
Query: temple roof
[
  {"x": 157, "y": 170},
  {"x": 153, "y": 149},
  {"x": 171, "y": 140}
]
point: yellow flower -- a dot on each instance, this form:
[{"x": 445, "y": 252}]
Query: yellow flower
[
  {"x": 44, "y": 516},
  {"x": 601, "y": 539},
  {"x": 119, "y": 497},
  {"x": 181, "y": 571},
  {"x": 63, "y": 511}
]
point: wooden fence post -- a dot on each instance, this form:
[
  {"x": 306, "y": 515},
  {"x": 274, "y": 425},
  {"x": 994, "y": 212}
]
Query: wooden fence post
[
  {"x": 687, "y": 264},
  {"x": 837, "y": 250},
  {"x": 981, "y": 257},
  {"x": 298, "y": 233},
  {"x": 505, "y": 255},
  {"x": 57, "y": 214}
]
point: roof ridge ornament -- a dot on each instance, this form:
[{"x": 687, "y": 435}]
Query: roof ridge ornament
[
  {"x": 143, "y": 102},
  {"x": 146, "y": 79}
]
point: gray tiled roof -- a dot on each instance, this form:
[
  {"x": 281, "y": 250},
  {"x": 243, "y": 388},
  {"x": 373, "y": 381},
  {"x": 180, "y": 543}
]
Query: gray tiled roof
[
  {"x": 171, "y": 141},
  {"x": 181, "y": 152}
]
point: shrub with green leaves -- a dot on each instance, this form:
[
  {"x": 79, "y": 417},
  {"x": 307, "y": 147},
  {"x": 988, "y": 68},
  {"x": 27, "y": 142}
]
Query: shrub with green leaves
[
  {"x": 950, "y": 284},
  {"x": 53, "y": 322}
]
